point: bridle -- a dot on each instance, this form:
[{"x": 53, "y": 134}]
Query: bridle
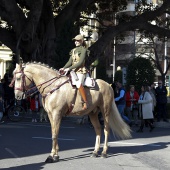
[{"x": 24, "y": 88}]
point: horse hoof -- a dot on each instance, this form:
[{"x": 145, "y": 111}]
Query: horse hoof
[
  {"x": 56, "y": 158},
  {"x": 51, "y": 159},
  {"x": 104, "y": 155},
  {"x": 94, "y": 155}
]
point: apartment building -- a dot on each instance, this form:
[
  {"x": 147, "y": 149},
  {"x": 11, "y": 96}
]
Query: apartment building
[{"x": 133, "y": 45}]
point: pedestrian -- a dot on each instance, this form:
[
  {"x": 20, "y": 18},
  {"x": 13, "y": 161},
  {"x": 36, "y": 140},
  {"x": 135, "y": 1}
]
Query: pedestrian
[
  {"x": 34, "y": 106},
  {"x": 151, "y": 92},
  {"x": 145, "y": 108},
  {"x": 76, "y": 65},
  {"x": 115, "y": 89},
  {"x": 132, "y": 108},
  {"x": 152, "y": 89},
  {"x": 161, "y": 98},
  {"x": 121, "y": 102},
  {"x": 2, "y": 88},
  {"x": 1, "y": 109}
]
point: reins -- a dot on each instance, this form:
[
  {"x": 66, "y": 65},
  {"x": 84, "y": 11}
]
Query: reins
[
  {"x": 25, "y": 88},
  {"x": 44, "y": 96}
]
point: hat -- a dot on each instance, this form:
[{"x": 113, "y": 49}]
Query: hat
[{"x": 78, "y": 37}]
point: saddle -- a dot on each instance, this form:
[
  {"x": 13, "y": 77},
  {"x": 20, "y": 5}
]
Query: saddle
[{"x": 88, "y": 81}]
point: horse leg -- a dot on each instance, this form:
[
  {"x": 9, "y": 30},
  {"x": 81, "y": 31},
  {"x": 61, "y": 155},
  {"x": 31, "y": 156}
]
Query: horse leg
[
  {"x": 97, "y": 127},
  {"x": 106, "y": 134},
  {"x": 55, "y": 124}
]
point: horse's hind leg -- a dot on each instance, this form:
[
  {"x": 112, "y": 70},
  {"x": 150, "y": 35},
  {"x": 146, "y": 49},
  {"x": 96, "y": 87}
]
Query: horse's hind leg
[
  {"x": 97, "y": 127},
  {"x": 106, "y": 134}
]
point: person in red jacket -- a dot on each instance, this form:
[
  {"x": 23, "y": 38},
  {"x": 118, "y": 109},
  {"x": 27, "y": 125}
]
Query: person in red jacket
[
  {"x": 34, "y": 106},
  {"x": 132, "y": 98}
]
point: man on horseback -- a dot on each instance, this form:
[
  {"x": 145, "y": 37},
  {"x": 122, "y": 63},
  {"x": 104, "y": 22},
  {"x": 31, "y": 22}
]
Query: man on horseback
[{"x": 76, "y": 65}]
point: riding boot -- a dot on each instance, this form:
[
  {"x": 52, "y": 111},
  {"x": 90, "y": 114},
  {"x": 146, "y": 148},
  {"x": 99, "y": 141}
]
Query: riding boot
[{"x": 83, "y": 95}]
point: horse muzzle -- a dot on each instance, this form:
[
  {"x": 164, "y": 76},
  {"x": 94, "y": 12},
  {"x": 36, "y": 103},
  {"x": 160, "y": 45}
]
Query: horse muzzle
[{"x": 19, "y": 96}]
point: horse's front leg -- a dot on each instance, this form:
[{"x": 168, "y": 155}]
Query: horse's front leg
[
  {"x": 55, "y": 125},
  {"x": 97, "y": 127}
]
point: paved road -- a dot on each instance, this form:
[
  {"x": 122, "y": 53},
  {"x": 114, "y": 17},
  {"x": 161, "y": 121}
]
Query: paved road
[{"x": 25, "y": 146}]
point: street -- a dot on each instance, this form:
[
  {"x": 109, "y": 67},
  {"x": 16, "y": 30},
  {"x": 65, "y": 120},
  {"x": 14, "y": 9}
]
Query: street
[{"x": 26, "y": 145}]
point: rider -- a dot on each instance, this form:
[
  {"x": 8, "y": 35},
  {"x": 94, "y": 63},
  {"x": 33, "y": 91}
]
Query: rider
[{"x": 76, "y": 63}]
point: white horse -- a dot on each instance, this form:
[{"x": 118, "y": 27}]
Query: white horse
[{"x": 60, "y": 99}]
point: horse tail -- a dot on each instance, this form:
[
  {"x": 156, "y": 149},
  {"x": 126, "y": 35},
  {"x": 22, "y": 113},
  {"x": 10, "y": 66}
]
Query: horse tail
[{"x": 118, "y": 126}]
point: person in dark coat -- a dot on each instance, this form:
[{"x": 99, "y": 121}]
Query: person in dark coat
[
  {"x": 1, "y": 109},
  {"x": 161, "y": 98},
  {"x": 120, "y": 101}
]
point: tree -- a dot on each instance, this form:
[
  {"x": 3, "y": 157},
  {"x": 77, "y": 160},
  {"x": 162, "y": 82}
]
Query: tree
[
  {"x": 38, "y": 28},
  {"x": 140, "y": 72},
  {"x": 118, "y": 76}
]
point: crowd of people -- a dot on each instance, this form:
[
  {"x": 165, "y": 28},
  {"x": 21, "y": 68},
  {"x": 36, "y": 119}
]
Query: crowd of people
[
  {"x": 37, "y": 108},
  {"x": 141, "y": 109},
  {"x": 32, "y": 104}
]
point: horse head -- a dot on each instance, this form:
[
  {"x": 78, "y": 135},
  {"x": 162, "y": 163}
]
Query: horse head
[{"x": 21, "y": 80}]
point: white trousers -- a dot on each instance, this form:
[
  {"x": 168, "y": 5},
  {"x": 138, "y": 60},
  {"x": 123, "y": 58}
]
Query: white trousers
[{"x": 80, "y": 81}]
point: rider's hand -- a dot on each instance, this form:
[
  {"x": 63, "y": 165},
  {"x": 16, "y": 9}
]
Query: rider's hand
[
  {"x": 66, "y": 69},
  {"x": 61, "y": 69}
]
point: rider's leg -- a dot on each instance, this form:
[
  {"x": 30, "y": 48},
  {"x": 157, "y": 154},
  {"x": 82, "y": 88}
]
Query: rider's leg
[
  {"x": 79, "y": 85},
  {"x": 83, "y": 95}
]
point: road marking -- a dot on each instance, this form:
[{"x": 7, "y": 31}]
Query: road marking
[
  {"x": 137, "y": 144},
  {"x": 51, "y": 138},
  {"x": 12, "y": 153}
]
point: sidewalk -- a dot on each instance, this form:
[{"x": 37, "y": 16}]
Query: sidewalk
[
  {"x": 81, "y": 120},
  {"x": 162, "y": 124},
  {"x": 84, "y": 120}
]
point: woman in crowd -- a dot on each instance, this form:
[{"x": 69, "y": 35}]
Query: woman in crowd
[
  {"x": 146, "y": 108},
  {"x": 132, "y": 98}
]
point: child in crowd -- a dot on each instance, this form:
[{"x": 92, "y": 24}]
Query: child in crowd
[{"x": 34, "y": 106}]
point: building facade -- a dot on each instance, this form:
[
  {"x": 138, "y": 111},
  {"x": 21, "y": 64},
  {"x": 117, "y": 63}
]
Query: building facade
[
  {"x": 5, "y": 58},
  {"x": 133, "y": 45}
]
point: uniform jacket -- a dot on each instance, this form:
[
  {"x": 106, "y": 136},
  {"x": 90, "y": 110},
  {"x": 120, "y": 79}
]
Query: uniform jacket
[
  {"x": 77, "y": 60},
  {"x": 146, "y": 106},
  {"x": 128, "y": 97}
]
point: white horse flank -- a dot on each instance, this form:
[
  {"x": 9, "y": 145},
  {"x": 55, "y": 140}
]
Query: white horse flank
[{"x": 58, "y": 98}]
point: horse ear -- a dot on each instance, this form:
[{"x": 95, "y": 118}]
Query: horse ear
[{"x": 18, "y": 65}]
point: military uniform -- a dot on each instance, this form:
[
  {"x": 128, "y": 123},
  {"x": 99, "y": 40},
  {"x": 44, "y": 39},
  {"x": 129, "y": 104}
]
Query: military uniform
[{"x": 77, "y": 64}]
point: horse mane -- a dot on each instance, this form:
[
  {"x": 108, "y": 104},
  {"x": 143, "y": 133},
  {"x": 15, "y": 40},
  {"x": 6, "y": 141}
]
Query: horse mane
[{"x": 41, "y": 64}]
